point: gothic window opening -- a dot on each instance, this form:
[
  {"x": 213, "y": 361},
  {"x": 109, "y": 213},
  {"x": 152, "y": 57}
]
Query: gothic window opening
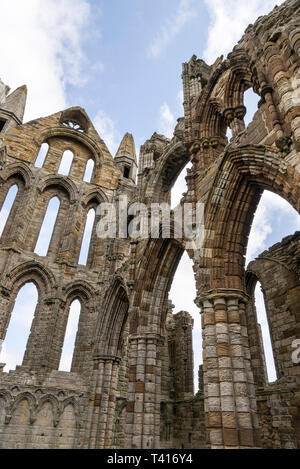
[
  {"x": 229, "y": 134},
  {"x": 180, "y": 187},
  {"x": 70, "y": 337},
  {"x": 191, "y": 346},
  {"x": 126, "y": 172},
  {"x": 7, "y": 206},
  {"x": 251, "y": 100},
  {"x": 47, "y": 228},
  {"x": 2, "y": 124},
  {"x": 40, "y": 159},
  {"x": 66, "y": 162},
  {"x": 274, "y": 219},
  {"x": 89, "y": 171},
  {"x": 87, "y": 237},
  {"x": 18, "y": 331},
  {"x": 73, "y": 125},
  {"x": 262, "y": 320}
]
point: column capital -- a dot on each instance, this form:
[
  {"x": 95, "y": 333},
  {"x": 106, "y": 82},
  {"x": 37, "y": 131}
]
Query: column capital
[
  {"x": 147, "y": 336},
  {"x": 106, "y": 359},
  {"x": 221, "y": 293}
]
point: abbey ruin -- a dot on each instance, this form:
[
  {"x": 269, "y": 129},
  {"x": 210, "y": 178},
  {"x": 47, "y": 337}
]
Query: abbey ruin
[{"x": 131, "y": 383}]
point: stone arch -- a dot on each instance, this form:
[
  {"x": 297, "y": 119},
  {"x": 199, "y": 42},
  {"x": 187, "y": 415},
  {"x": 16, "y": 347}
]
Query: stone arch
[
  {"x": 67, "y": 426},
  {"x": 55, "y": 405},
  {"x": 19, "y": 421},
  {"x": 209, "y": 106},
  {"x": 7, "y": 397},
  {"x": 65, "y": 190},
  {"x": 5, "y": 404},
  {"x": 68, "y": 154},
  {"x": 157, "y": 264},
  {"x": 91, "y": 201},
  {"x": 60, "y": 182},
  {"x": 19, "y": 171},
  {"x": 32, "y": 404},
  {"x": 155, "y": 274},
  {"x": 259, "y": 366},
  {"x": 71, "y": 400},
  {"x": 242, "y": 76},
  {"x": 41, "y": 155},
  {"x": 32, "y": 271},
  {"x": 14, "y": 175},
  {"x": 78, "y": 289},
  {"x": 89, "y": 171},
  {"x": 43, "y": 431},
  {"x": 281, "y": 288},
  {"x": 113, "y": 320},
  {"x": 85, "y": 294},
  {"x": 168, "y": 168},
  {"x": 76, "y": 136},
  {"x": 221, "y": 105},
  {"x": 77, "y": 116},
  {"x": 96, "y": 194},
  {"x": 231, "y": 207},
  {"x": 35, "y": 349},
  {"x": 29, "y": 272}
]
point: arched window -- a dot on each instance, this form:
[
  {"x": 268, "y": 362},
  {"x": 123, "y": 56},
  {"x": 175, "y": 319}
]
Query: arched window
[
  {"x": 66, "y": 162},
  {"x": 251, "y": 100},
  {"x": 262, "y": 320},
  {"x": 14, "y": 345},
  {"x": 87, "y": 236},
  {"x": 7, "y": 206},
  {"x": 70, "y": 336},
  {"x": 40, "y": 159},
  {"x": 229, "y": 134},
  {"x": 89, "y": 170},
  {"x": 47, "y": 228},
  {"x": 274, "y": 219},
  {"x": 183, "y": 282},
  {"x": 179, "y": 187}
]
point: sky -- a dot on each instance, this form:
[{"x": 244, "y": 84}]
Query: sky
[{"x": 121, "y": 61}]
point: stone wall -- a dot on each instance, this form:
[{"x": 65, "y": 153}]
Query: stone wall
[
  {"x": 277, "y": 270},
  {"x": 131, "y": 380}
]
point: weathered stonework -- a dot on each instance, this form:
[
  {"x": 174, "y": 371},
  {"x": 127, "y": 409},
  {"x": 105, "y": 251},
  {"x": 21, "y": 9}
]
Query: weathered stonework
[{"x": 131, "y": 383}]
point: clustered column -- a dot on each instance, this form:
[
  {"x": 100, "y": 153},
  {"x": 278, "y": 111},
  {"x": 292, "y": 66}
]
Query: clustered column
[
  {"x": 106, "y": 379},
  {"x": 230, "y": 404},
  {"x": 143, "y": 408}
]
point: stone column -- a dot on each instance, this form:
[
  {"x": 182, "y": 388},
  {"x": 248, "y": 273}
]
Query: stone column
[
  {"x": 38, "y": 353},
  {"x": 229, "y": 392},
  {"x": 144, "y": 392},
  {"x": 235, "y": 119},
  {"x": 104, "y": 401}
]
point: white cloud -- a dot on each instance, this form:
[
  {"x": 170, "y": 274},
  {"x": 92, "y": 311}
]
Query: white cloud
[
  {"x": 42, "y": 42},
  {"x": 106, "y": 128},
  {"x": 172, "y": 26},
  {"x": 167, "y": 121},
  {"x": 261, "y": 228},
  {"x": 228, "y": 22},
  {"x": 270, "y": 209}
]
